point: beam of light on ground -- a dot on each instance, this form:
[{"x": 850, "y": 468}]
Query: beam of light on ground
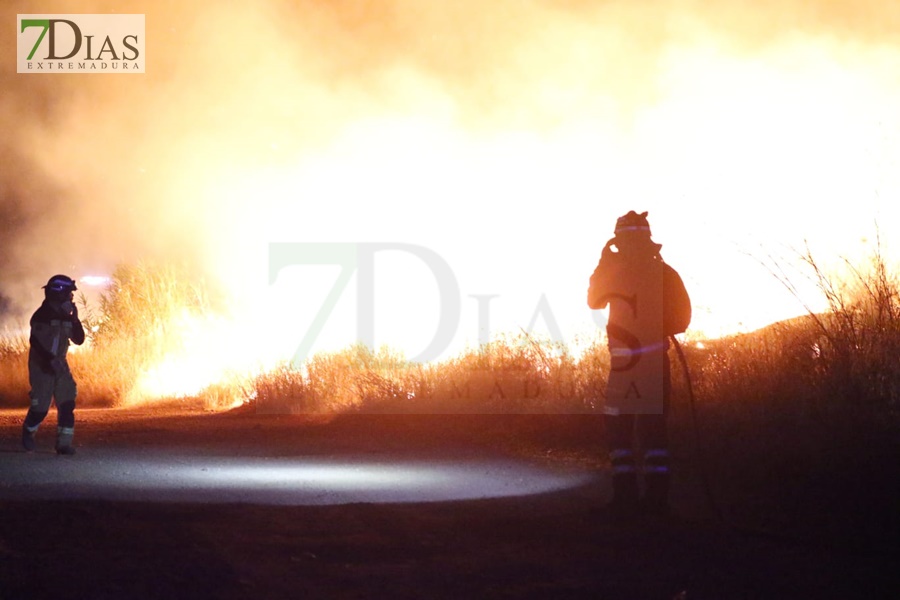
[{"x": 184, "y": 476}]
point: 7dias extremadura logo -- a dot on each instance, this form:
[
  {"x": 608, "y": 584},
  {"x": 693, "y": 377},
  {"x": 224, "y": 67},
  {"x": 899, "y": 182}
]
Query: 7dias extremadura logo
[{"x": 80, "y": 43}]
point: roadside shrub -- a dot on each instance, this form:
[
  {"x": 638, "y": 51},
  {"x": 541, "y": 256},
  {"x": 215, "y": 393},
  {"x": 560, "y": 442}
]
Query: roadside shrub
[
  {"x": 799, "y": 421},
  {"x": 137, "y": 323},
  {"x": 14, "y": 385}
]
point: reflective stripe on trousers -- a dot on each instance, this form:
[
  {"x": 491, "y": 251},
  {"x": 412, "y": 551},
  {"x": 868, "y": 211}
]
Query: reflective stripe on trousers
[{"x": 656, "y": 461}]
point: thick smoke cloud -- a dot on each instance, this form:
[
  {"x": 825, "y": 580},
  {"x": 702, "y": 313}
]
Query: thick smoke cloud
[{"x": 99, "y": 170}]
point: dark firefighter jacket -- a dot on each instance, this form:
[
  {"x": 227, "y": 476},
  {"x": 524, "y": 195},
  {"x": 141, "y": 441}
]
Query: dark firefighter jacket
[
  {"x": 647, "y": 303},
  {"x": 643, "y": 293},
  {"x": 51, "y": 330}
]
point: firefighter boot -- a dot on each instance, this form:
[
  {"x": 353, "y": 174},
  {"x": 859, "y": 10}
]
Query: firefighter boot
[
  {"x": 28, "y": 438},
  {"x": 625, "y": 485},
  {"x": 656, "y": 478},
  {"x": 64, "y": 437}
]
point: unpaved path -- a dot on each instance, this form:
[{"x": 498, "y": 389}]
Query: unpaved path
[{"x": 185, "y": 504}]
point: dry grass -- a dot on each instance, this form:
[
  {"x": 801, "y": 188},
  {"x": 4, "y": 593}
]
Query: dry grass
[
  {"x": 131, "y": 329},
  {"x": 14, "y": 370},
  {"x": 800, "y": 421},
  {"x": 515, "y": 375},
  {"x": 820, "y": 368},
  {"x": 135, "y": 326}
]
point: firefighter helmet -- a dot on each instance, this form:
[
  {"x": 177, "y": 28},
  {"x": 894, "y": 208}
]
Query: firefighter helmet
[
  {"x": 633, "y": 222},
  {"x": 59, "y": 287}
]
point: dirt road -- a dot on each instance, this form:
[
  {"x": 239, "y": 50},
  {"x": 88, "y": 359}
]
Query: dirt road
[{"x": 185, "y": 504}]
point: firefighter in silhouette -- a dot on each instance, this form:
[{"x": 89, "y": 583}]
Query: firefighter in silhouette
[
  {"x": 53, "y": 325},
  {"x": 647, "y": 304}
]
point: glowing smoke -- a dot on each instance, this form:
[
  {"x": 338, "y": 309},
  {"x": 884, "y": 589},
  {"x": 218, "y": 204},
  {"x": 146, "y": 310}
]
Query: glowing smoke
[{"x": 506, "y": 135}]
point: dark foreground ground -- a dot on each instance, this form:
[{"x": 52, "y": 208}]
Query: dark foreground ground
[{"x": 550, "y": 545}]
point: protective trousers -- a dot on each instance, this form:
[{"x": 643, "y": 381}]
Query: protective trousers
[
  {"x": 626, "y": 432},
  {"x": 651, "y": 431},
  {"x": 46, "y": 387}
]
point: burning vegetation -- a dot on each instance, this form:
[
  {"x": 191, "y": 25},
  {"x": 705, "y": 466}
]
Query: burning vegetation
[{"x": 158, "y": 334}]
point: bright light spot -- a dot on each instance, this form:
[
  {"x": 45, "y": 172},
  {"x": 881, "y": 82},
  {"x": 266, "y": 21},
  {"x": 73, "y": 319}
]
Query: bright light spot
[
  {"x": 335, "y": 477},
  {"x": 155, "y": 475},
  {"x": 96, "y": 280}
]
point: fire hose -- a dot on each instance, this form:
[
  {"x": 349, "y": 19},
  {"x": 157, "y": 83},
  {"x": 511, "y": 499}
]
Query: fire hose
[
  {"x": 698, "y": 446},
  {"x": 703, "y": 471}
]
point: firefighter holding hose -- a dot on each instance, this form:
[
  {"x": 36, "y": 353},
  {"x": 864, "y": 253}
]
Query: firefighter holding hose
[
  {"x": 647, "y": 303},
  {"x": 53, "y": 326}
]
